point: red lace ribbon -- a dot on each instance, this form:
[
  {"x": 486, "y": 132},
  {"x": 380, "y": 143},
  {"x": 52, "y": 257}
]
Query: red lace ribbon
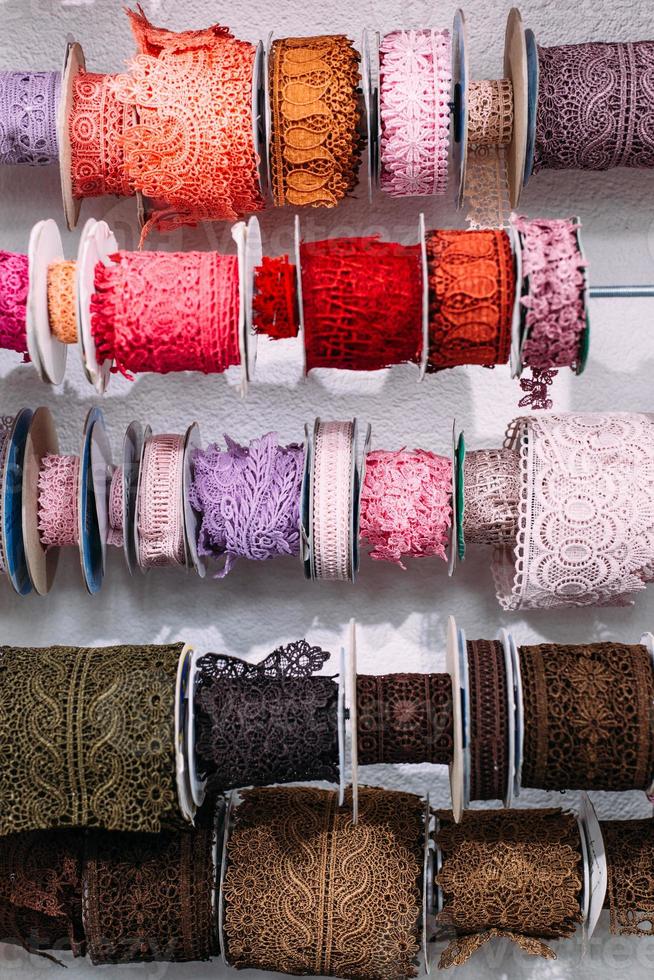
[
  {"x": 167, "y": 311},
  {"x": 274, "y": 304},
  {"x": 362, "y": 303}
]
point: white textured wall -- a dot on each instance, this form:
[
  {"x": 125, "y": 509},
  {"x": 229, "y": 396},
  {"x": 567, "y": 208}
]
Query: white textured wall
[{"x": 402, "y": 615}]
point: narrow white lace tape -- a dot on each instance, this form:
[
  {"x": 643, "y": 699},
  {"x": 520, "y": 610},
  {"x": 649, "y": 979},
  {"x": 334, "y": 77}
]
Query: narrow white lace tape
[
  {"x": 332, "y": 502},
  {"x": 160, "y": 517}
]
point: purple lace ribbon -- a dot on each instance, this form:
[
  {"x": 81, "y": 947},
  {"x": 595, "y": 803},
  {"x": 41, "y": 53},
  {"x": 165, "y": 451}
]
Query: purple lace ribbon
[
  {"x": 28, "y": 117},
  {"x": 248, "y": 499}
]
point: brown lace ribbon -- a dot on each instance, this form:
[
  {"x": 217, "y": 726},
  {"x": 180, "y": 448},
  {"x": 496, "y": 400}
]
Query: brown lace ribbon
[
  {"x": 307, "y": 891},
  {"x": 41, "y": 891},
  {"x": 149, "y": 897},
  {"x": 314, "y": 139},
  {"x": 87, "y": 738},
  {"x": 404, "y": 718},
  {"x": 489, "y": 731},
  {"x": 629, "y": 846},
  {"x": 588, "y": 716},
  {"x": 510, "y": 873}
]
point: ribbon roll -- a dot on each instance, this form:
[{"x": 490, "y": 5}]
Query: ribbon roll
[
  {"x": 160, "y": 509},
  {"x": 29, "y": 101},
  {"x": 14, "y": 285},
  {"x": 332, "y": 514},
  {"x": 491, "y": 480}
]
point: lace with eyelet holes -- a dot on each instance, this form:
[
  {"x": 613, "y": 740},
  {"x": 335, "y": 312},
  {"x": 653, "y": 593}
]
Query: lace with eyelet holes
[
  {"x": 629, "y": 846},
  {"x": 6, "y": 422},
  {"x": 406, "y": 505},
  {"x": 508, "y": 873},
  {"x": 595, "y": 106},
  {"x": 249, "y": 500},
  {"x": 41, "y": 891},
  {"x": 149, "y": 897},
  {"x": 314, "y": 139},
  {"x": 167, "y": 311},
  {"x": 274, "y": 304},
  {"x": 491, "y": 479},
  {"x": 115, "y": 511},
  {"x": 28, "y": 117},
  {"x": 489, "y": 723},
  {"x": 191, "y": 146},
  {"x": 332, "y": 511},
  {"x": 471, "y": 296},
  {"x": 404, "y": 718},
  {"x": 62, "y": 301},
  {"x": 490, "y": 112},
  {"x": 586, "y": 527},
  {"x": 58, "y": 501},
  {"x": 160, "y": 506},
  {"x": 588, "y": 716},
  {"x": 96, "y": 127},
  {"x": 273, "y": 722},
  {"x": 307, "y": 891},
  {"x": 87, "y": 738},
  {"x": 362, "y": 302},
  {"x": 14, "y": 284},
  {"x": 414, "y": 93}
]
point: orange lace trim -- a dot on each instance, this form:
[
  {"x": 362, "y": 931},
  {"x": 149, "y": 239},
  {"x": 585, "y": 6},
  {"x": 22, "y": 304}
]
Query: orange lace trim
[
  {"x": 62, "y": 303},
  {"x": 314, "y": 139},
  {"x": 96, "y": 126}
]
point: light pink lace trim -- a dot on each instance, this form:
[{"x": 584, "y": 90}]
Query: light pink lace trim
[
  {"x": 406, "y": 505},
  {"x": 115, "y": 533},
  {"x": 414, "y": 91},
  {"x": 160, "y": 503},
  {"x": 332, "y": 501},
  {"x": 586, "y": 522},
  {"x": 492, "y": 493},
  {"x": 58, "y": 511}
]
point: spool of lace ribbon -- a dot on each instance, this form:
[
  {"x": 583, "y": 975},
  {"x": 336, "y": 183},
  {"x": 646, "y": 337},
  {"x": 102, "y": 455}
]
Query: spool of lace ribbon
[
  {"x": 332, "y": 512},
  {"x": 515, "y": 874},
  {"x": 62, "y": 301},
  {"x": 404, "y": 718},
  {"x": 588, "y": 716},
  {"x": 362, "y": 302},
  {"x": 97, "y": 125},
  {"x": 87, "y": 738},
  {"x": 586, "y": 529},
  {"x": 274, "y": 303},
  {"x": 28, "y": 117},
  {"x": 6, "y": 422},
  {"x": 629, "y": 846},
  {"x": 489, "y": 723},
  {"x": 41, "y": 891},
  {"x": 265, "y": 723},
  {"x": 314, "y": 146},
  {"x": 595, "y": 106},
  {"x": 167, "y": 311},
  {"x": 491, "y": 479},
  {"x": 14, "y": 284},
  {"x": 58, "y": 511},
  {"x": 308, "y": 891},
  {"x": 414, "y": 94},
  {"x": 406, "y": 505},
  {"x": 149, "y": 897},
  {"x": 115, "y": 509},
  {"x": 490, "y": 129},
  {"x": 160, "y": 508},
  {"x": 248, "y": 498},
  {"x": 471, "y": 297}
]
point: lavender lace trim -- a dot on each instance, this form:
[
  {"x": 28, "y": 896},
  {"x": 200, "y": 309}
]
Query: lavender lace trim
[{"x": 28, "y": 117}]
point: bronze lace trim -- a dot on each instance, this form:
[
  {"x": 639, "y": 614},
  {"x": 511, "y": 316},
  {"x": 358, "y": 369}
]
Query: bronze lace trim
[
  {"x": 489, "y": 731},
  {"x": 629, "y": 846}
]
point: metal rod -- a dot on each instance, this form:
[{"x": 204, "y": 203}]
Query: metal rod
[{"x": 621, "y": 292}]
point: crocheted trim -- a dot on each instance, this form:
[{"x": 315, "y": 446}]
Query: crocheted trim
[
  {"x": 96, "y": 126},
  {"x": 62, "y": 301},
  {"x": 414, "y": 93},
  {"x": 28, "y": 117},
  {"x": 14, "y": 285},
  {"x": 332, "y": 518},
  {"x": 490, "y": 112},
  {"x": 58, "y": 501},
  {"x": 115, "y": 510},
  {"x": 492, "y": 493},
  {"x": 274, "y": 304},
  {"x": 160, "y": 516},
  {"x": 6, "y": 422}
]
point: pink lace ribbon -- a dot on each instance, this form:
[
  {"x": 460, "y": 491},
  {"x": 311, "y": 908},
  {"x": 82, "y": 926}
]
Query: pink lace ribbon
[
  {"x": 115, "y": 532},
  {"x": 586, "y": 520},
  {"x": 332, "y": 501},
  {"x": 414, "y": 91},
  {"x": 58, "y": 501},
  {"x": 160, "y": 516},
  {"x": 406, "y": 505},
  {"x": 14, "y": 284}
]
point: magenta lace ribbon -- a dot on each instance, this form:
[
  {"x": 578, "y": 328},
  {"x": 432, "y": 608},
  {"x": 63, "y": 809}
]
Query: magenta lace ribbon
[
  {"x": 160, "y": 515},
  {"x": 28, "y": 117},
  {"x": 415, "y": 78},
  {"x": 406, "y": 505},
  {"x": 14, "y": 284},
  {"x": 115, "y": 532},
  {"x": 249, "y": 500},
  {"x": 58, "y": 501}
]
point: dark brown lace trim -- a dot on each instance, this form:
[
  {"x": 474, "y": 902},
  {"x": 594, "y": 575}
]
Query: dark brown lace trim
[
  {"x": 629, "y": 846},
  {"x": 489, "y": 733}
]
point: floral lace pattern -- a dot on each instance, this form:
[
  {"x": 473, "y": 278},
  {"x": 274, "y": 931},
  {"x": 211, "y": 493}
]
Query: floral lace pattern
[
  {"x": 586, "y": 529},
  {"x": 249, "y": 500},
  {"x": 491, "y": 479},
  {"x": 190, "y": 146},
  {"x": 274, "y": 304},
  {"x": 167, "y": 311},
  {"x": 490, "y": 112},
  {"x": 149, "y": 897},
  {"x": 298, "y": 659},
  {"x": 314, "y": 139},
  {"x": 414, "y": 93},
  {"x": 307, "y": 891},
  {"x": 629, "y": 846},
  {"x": 406, "y": 505},
  {"x": 489, "y": 726},
  {"x": 87, "y": 738},
  {"x": 265, "y": 725},
  {"x": 115, "y": 509},
  {"x": 62, "y": 301},
  {"x": 14, "y": 284},
  {"x": 471, "y": 295},
  {"x": 28, "y": 117},
  {"x": 404, "y": 718},
  {"x": 588, "y": 716},
  {"x": 595, "y": 106},
  {"x": 160, "y": 505},
  {"x": 96, "y": 126},
  {"x": 362, "y": 302},
  {"x": 58, "y": 501},
  {"x": 510, "y": 873}
]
